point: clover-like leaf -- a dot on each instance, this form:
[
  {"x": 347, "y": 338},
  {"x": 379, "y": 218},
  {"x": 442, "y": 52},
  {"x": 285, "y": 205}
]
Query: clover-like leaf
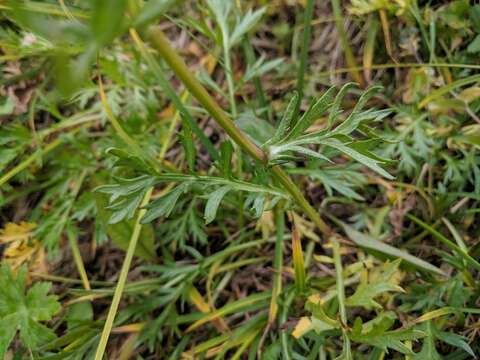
[{"x": 22, "y": 310}]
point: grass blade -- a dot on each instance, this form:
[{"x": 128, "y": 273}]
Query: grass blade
[
  {"x": 440, "y": 237},
  {"x": 298, "y": 261},
  {"x": 373, "y": 244}
]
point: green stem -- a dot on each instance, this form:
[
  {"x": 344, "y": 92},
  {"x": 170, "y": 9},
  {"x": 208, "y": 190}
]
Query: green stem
[
  {"x": 349, "y": 57},
  {"x": 159, "y": 41},
  {"x": 77, "y": 258},
  {"x": 122, "y": 279},
  {"x": 177, "y": 102},
  {"x": 440, "y": 237},
  {"x": 339, "y": 277},
  {"x": 262, "y": 100},
  {"x": 24, "y": 164},
  {"x": 230, "y": 83},
  {"x": 307, "y": 30},
  {"x": 278, "y": 261}
]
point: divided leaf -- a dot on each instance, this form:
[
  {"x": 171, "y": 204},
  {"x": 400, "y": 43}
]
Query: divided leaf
[
  {"x": 315, "y": 110},
  {"x": 375, "y": 333},
  {"x": 385, "y": 281},
  {"x": 164, "y": 205},
  {"x": 286, "y": 119},
  {"x": 22, "y": 310}
]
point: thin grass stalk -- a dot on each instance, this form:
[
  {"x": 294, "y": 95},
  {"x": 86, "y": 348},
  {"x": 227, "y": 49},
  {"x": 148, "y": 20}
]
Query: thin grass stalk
[
  {"x": 298, "y": 259},
  {"x": 227, "y": 61},
  {"x": 339, "y": 280},
  {"x": 72, "y": 239},
  {"x": 159, "y": 41},
  {"x": 277, "y": 262},
  {"x": 340, "y": 293},
  {"x": 24, "y": 164},
  {"x": 347, "y": 49},
  {"x": 450, "y": 244},
  {"x": 77, "y": 258},
  {"x": 395, "y": 66},
  {"x": 307, "y": 31},
  {"x": 262, "y": 100},
  {"x": 177, "y": 102},
  {"x": 122, "y": 279}
]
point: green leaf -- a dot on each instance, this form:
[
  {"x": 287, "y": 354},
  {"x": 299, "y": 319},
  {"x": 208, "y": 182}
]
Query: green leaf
[
  {"x": 125, "y": 196},
  {"x": 383, "y": 282},
  {"x": 260, "y": 67},
  {"x": 213, "y": 202},
  {"x": 474, "y": 14},
  {"x": 226, "y": 152},
  {"x": 286, "y": 119},
  {"x": 375, "y": 333},
  {"x": 7, "y": 107},
  {"x": 258, "y": 129},
  {"x": 78, "y": 314},
  {"x": 164, "y": 205},
  {"x": 369, "y": 161},
  {"x": 352, "y": 121},
  {"x": 315, "y": 110},
  {"x": 152, "y": 10},
  {"x": 130, "y": 161},
  {"x": 106, "y": 20},
  {"x": 428, "y": 348},
  {"x": 221, "y": 10},
  {"x": 370, "y": 243},
  {"x": 248, "y": 21},
  {"x": 8, "y": 329},
  {"x": 474, "y": 46},
  {"x": 22, "y": 310},
  {"x": 335, "y": 109},
  {"x": 120, "y": 232},
  {"x": 189, "y": 146},
  {"x": 455, "y": 340}
]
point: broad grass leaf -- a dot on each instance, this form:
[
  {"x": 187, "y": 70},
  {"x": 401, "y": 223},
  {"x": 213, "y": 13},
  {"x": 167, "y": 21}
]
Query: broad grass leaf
[
  {"x": 107, "y": 19},
  {"x": 233, "y": 307},
  {"x": 370, "y": 243},
  {"x": 298, "y": 262}
]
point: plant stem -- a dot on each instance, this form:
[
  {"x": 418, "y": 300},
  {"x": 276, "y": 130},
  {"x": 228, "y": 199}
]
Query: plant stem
[
  {"x": 307, "y": 30},
  {"x": 77, "y": 258},
  {"x": 177, "y": 102},
  {"x": 231, "y": 86},
  {"x": 262, "y": 100},
  {"x": 278, "y": 261},
  {"x": 24, "y": 164},
  {"x": 122, "y": 279},
  {"x": 339, "y": 276},
  {"x": 349, "y": 57},
  {"x": 159, "y": 41}
]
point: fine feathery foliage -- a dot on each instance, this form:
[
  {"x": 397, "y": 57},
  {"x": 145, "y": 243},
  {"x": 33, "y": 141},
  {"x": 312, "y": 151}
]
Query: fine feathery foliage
[{"x": 224, "y": 179}]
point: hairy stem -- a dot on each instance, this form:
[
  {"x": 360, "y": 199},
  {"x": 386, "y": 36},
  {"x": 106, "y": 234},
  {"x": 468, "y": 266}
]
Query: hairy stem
[{"x": 159, "y": 41}]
